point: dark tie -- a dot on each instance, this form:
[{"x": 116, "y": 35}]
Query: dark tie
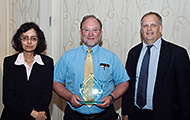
[{"x": 143, "y": 78}]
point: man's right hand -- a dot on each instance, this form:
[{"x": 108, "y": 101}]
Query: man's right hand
[
  {"x": 64, "y": 93},
  {"x": 74, "y": 100}
]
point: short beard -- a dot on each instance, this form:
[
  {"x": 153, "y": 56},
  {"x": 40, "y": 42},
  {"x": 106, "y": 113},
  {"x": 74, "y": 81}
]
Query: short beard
[{"x": 99, "y": 42}]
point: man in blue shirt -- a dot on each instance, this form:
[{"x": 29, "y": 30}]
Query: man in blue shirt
[{"x": 107, "y": 69}]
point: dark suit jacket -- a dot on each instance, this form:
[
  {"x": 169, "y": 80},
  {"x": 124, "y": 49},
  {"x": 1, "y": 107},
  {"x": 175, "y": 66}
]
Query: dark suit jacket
[
  {"x": 20, "y": 96},
  {"x": 171, "y": 99}
]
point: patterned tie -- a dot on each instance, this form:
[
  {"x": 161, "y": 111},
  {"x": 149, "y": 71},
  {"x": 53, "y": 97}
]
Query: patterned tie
[
  {"x": 88, "y": 86},
  {"x": 143, "y": 78},
  {"x": 88, "y": 65}
]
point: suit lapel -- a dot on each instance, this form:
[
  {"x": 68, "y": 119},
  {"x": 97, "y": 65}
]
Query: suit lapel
[
  {"x": 34, "y": 72},
  {"x": 135, "y": 59},
  {"x": 21, "y": 72},
  {"x": 162, "y": 66},
  {"x": 163, "y": 60}
]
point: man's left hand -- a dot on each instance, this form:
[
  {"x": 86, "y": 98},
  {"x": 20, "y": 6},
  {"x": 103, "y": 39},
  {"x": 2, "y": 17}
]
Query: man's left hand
[{"x": 106, "y": 101}]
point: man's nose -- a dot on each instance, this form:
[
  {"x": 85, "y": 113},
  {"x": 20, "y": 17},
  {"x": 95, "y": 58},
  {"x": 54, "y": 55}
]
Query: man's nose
[
  {"x": 91, "y": 32},
  {"x": 149, "y": 27}
]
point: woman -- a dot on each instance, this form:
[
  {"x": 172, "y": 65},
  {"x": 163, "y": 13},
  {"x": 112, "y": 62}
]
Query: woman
[{"x": 27, "y": 77}]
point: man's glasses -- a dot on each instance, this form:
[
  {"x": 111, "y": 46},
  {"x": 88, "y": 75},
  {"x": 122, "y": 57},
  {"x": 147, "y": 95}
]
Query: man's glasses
[
  {"x": 94, "y": 30},
  {"x": 27, "y": 38}
]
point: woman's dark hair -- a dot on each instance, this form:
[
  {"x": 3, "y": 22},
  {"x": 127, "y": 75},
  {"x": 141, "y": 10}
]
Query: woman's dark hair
[{"x": 16, "y": 41}]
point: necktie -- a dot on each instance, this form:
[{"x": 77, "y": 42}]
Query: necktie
[
  {"x": 88, "y": 86},
  {"x": 88, "y": 65},
  {"x": 143, "y": 78}
]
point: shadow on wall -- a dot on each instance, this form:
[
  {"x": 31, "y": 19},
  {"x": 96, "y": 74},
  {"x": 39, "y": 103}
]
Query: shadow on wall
[
  {"x": 117, "y": 104},
  {"x": 57, "y": 106}
]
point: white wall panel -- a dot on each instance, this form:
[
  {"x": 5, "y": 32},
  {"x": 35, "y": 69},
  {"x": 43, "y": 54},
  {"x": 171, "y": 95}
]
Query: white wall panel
[{"x": 121, "y": 27}]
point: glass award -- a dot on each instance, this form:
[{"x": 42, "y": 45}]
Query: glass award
[{"x": 91, "y": 91}]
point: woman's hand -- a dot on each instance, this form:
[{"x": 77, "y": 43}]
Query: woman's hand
[{"x": 41, "y": 115}]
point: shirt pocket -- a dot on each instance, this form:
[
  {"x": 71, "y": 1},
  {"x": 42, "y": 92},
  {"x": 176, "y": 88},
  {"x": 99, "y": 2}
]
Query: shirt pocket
[{"x": 104, "y": 75}]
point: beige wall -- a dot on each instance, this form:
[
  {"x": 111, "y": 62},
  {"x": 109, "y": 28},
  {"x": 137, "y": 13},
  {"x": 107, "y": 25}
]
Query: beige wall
[
  {"x": 3, "y": 51},
  {"x": 121, "y": 26}
]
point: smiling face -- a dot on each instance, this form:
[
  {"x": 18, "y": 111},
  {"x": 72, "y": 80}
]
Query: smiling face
[
  {"x": 150, "y": 29},
  {"x": 91, "y": 33},
  {"x": 29, "y": 40}
]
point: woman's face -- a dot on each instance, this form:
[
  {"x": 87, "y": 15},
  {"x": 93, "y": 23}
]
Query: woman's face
[{"x": 29, "y": 40}]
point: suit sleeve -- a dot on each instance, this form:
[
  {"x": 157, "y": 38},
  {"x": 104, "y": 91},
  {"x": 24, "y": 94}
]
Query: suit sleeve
[
  {"x": 10, "y": 100},
  {"x": 124, "y": 104},
  {"x": 46, "y": 93},
  {"x": 125, "y": 97},
  {"x": 183, "y": 79}
]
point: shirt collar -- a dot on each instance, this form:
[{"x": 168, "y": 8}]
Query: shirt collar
[
  {"x": 94, "y": 49},
  {"x": 20, "y": 59},
  {"x": 157, "y": 44}
]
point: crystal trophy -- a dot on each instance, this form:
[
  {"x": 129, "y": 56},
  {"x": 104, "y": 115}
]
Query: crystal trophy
[{"x": 91, "y": 91}]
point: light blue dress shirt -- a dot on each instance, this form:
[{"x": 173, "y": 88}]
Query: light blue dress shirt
[
  {"x": 70, "y": 70},
  {"x": 153, "y": 65}
]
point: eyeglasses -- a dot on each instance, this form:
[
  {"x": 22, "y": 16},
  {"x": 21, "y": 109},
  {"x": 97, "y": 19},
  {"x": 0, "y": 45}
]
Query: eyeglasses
[
  {"x": 27, "y": 38},
  {"x": 94, "y": 30}
]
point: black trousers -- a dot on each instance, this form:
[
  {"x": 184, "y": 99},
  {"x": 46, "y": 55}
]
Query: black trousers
[
  {"x": 141, "y": 114},
  {"x": 108, "y": 114}
]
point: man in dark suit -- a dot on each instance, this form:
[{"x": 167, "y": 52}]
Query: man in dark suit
[{"x": 159, "y": 85}]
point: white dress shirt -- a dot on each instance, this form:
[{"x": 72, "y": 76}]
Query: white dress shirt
[
  {"x": 153, "y": 65},
  {"x": 20, "y": 61}
]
